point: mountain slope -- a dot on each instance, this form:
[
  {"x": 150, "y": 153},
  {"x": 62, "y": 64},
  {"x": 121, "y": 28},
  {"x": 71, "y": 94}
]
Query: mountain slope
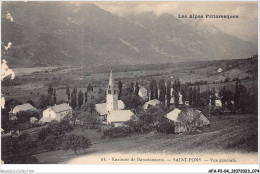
[{"x": 54, "y": 33}]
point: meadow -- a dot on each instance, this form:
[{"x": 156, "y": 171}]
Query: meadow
[
  {"x": 227, "y": 134},
  {"x": 35, "y": 83}
]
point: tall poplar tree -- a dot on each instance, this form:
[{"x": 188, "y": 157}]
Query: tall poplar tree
[
  {"x": 74, "y": 98},
  {"x": 168, "y": 94},
  {"x": 68, "y": 92},
  {"x": 86, "y": 96},
  {"x": 120, "y": 85},
  {"x": 137, "y": 88},
  {"x": 80, "y": 98},
  {"x": 162, "y": 88}
]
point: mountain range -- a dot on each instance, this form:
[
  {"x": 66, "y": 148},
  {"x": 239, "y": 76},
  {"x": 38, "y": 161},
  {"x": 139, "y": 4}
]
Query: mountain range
[{"x": 63, "y": 34}]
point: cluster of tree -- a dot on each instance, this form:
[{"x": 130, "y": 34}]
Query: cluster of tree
[
  {"x": 241, "y": 98},
  {"x": 7, "y": 81},
  {"x": 133, "y": 88},
  {"x": 131, "y": 98},
  {"x": 152, "y": 119},
  {"x": 226, "y": 96},
  {"x": 76, "y": 100},
  {"x": 244, "y": 100},
  {"x": 189, "y": 93},
  {"x": 54, "y": 135},
  {"x": 116, "y": 132},
  {"x": 24, "y": 116},
  {"x": 18, "y": 150},
  {"x": 45, "y": 101},
  {"x": 201, "y": 82},
  {"x": 76, "y": 142},
  {"x": 57, "y": 129},
  {"x": 48, "y": 99},
  {"x": 165, "y": 126},
  {"x": 85, "y": 117},
  {"x": 5, "y": 122},
  {"x": 194, "y": 96},
  {"x": 133, "y": 102},
  {"x": 130, "y": 88}
]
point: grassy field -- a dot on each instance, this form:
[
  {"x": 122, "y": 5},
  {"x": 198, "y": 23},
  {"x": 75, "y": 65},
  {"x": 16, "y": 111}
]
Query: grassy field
[
  {"x": 227, "y": 134},
  {"x": 33, "y": 82}
]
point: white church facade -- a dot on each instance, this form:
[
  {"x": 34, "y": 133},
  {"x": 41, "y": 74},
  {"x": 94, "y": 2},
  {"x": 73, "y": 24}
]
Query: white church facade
[{"x": 113, "y": 111}]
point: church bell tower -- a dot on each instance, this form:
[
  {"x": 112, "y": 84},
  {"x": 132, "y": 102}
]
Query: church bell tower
[{"x": 112, "y": 98}]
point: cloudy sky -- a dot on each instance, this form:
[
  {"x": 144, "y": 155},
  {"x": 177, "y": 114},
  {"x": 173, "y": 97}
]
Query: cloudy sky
[{"x": 245, "y": 27}]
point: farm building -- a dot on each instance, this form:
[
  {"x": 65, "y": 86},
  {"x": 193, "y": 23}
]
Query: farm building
[
  {"x": 143, "y": 93},
  {"x": 187, "y": 119},
  {"x": 113, "y": 110},
  {"x": 153, "y": 102},
  {"x": 19, "y": 108},
  {"x": 56, "y": 112}
]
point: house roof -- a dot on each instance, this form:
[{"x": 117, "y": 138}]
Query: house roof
[
  {"x": 101, "y": 108},
  {"x": 153, "y": 102},
  {"x": 173, "y": 115},
  {"x": 121, "y": 104},
  {"x": 23, "y": 107},
  {"x": 60, "y": 108},
  {"x": 33, "y": 119},
  {"x": 119, "y": 116},
  {"x": 46, "y": 119}
]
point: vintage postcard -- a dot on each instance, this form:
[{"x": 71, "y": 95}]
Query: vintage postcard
[{"x": 154, "y": 83}]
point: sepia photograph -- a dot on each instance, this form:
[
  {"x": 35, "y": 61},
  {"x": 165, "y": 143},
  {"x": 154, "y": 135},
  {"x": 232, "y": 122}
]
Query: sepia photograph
[{"x": 141, "y": 82}]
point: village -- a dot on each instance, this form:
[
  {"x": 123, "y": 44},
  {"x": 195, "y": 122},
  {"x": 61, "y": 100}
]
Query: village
[
  {"x": 119, "y": 110},
  {"x": 113, "y": 112}
]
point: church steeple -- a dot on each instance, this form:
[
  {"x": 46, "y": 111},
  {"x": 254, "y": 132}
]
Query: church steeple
[
  {"x": 112, "y": 98},
  {"x": 111, "y": 81}
]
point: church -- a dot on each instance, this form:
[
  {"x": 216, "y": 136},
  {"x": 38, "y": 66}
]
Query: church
[{"x": 113, "y": 111}]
